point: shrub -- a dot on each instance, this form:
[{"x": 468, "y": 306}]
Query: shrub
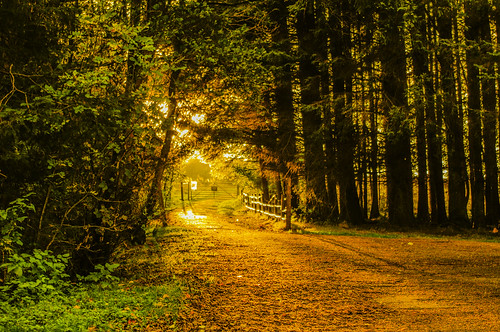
[
  {"x": 34, "y": 275},
  {"x": 102, "y": 275},
  {"x": 228, "y": 207},
  {"x": 91, "y": 308},
  {"x": 10, "y": 225}
]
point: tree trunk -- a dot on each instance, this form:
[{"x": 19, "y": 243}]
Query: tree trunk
[
  {"x": 497, "y": 25},
  {"x": 310, "y": 78},
  {"x": 264, "y": 183},
  {"x": 473, "y": 22},
  {"x": 489, "y": 124},
  {"x": 283, "y": 94},
  {"x": 288, "y": 213},
  {"x": 375, "y": 209},
  {"x": 421, "y": 69},
  {"x": 155, "y": 196},
  {"x": 330, "y": 152},
  {"x": 344, "y": 128},
  {"x": 398, "y": 148},
  {"x": 446, "y": 105},
  {"x": 374, "y": 138},
  {"x": 453, "y": 117}
]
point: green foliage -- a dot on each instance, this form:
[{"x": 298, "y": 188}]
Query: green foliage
[
  {"x": 10, "y": 225},
  {"x": 102, "y": 276},
  {"x": 76, "y": 140},
  {"x": 248, "y": 173},
  {"x": 228, "y": 207},
  {"x": 35, "y": 275},
  {"x": 120, "y": 308}
]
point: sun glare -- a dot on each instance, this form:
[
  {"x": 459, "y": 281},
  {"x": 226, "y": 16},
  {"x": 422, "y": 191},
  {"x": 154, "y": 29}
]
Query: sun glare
[
  {"x": 163, "y": 108},
  {"x": 192, "y": 219},
  {"x": 183, "y": 133},
  {"x": 198, "y": 118},
  {"x": 196, "y": 155}
]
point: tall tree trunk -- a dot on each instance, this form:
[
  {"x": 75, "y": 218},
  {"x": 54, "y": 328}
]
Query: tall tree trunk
[
  {"x": 155, "y": 196},
  {"x": 473, "y": 19},
  {"x": 489, "y": 123},
  {"x": 421, "y": 69},
  {"x": 373, "y": 97},
  {"x": 397, "y": 147},
  {"x": 310, "y": 78},
  {"x": 330, "y": 153},
  {"x": 453, "y": 117},
  {"x": 375, "y": 209},
  {"x": 444, "y": 104},
  {"x": 331, "y": 165},
  {"x": 344, "y": 127},
  {"x": 496, "y": 14},
  {"x": 264, "y": 182},
  {"x": 283, "y": 93},
  {"x": 364, "y": 168}
]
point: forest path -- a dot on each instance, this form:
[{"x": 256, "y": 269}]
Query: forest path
[{"x": 247, "y": 278}]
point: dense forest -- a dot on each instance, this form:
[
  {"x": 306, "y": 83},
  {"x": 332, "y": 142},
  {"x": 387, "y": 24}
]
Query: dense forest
[{"x": 367, "y": 109}]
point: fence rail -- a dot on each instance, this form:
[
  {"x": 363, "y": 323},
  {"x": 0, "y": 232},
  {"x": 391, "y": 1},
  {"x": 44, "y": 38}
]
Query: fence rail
[{"x": 255, "y": 203}]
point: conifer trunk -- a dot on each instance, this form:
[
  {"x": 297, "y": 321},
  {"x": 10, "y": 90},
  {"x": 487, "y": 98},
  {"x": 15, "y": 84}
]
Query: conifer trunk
[
  {"x": 397, "y": 143},
  {"x": 310, "y": 96},
  {"x": 283, "y": 93},
  {"x": 340, "y": 44},
  {"x": 453, "y": 116},
  {"x": 488, "y": 89},
  {"x": 421, "y": 68},
  {"x": 473, "y": 20}
]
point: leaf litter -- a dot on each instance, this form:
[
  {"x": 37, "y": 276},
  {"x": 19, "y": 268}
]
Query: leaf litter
[{"x": 244, "y": 277}]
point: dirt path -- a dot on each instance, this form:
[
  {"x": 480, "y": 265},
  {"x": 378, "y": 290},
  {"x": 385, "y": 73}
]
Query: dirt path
[{"x": 249, "y": 279}]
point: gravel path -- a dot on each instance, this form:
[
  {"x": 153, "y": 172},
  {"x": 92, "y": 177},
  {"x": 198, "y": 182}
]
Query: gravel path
[{"x": 247, "y": 278}]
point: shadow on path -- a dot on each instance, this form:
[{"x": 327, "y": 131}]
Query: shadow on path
[{"x": 249, "y": 279}]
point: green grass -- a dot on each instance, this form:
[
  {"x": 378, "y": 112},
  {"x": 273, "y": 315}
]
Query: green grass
[
  {"x": 147, "y": 298},
  {"x": 353, "y": 233},
  {"x": 229, "y": 207},
  {"x": 471, "y": 235},
  {"x": 119, "y": 308}
]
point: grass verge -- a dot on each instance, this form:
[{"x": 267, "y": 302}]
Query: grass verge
[
  {"x": 148, "y": 297},
  {"x": 435, "y": 233},
  {"x": 119, "y": 308}
]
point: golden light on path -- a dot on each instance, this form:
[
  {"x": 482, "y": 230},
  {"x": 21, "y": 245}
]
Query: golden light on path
[{"x": 192, "y": 219}]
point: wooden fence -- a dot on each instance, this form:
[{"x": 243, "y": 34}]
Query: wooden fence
[{"x": 270, "y": 209}]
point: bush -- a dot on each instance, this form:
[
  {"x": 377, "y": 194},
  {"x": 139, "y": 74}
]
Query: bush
[
  {"x": 102, "y": 275},
  {"x": 228, "y": 207},
  {"x": 10, "y": 225},
  {"x": 91, "y": 308},
  {"x": 35, "y": 275}
]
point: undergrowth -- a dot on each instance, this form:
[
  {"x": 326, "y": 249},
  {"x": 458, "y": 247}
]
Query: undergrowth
[
  {"x": 373, "y": 232},
  {"x": 91, "y": 308},
  {"x": 228, "y": 207},
  {"x": 351, "y": 233},
  {"x": 36, "y": 294}
]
